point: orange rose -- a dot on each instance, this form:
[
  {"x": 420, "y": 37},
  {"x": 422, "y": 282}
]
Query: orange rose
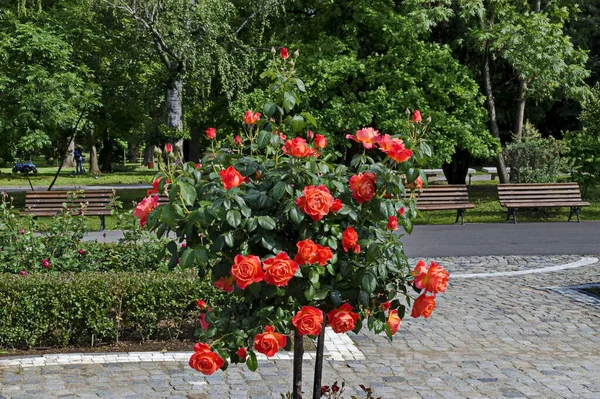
[
  {"x": 423, "y": 306},
  {"x": 246, "y": 270},
  {"x": 204, "y": 360},
  {"x": 394, "y": 321},
  {"x": 231, "y": 178},
  {"x": 307, "y": 252},
  {"x": 315, "y": 202},
  {"x": 362, "y": 186},
  {"x": 367, "y": 136},
  {"x": 155, "y": 183},
  {"x": 420, "y": 268},
  {"x": 143, "y": 209},
  {"x": 399, "y": 153},
  {"x": 237, "y": 140},
  {"x": 320, "y": 141},
  {"x": 269, "y": 342},
  {"x": 308, "y": 321},
  {"x": 350, "y": 239},
  {"x": 433, "y": 279},
  {"x": 251, "y": 118},
  {"x": 225, "y": 283},
  {"x": 337, "y": 206},
  {"x": 387, "y": 143},
  {"x": 418, "y": 183},
  {"x": 298, "y": 148},
  {"x": 324, "y": 255},
  {"x": 279, "y": 270},
  {"x": 342, "y": 319},
  {"x": 392, "y": 223}
]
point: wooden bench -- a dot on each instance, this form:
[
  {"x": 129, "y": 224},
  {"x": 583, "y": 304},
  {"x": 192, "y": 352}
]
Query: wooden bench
[
  {"x": 540, "y": 195},
  {"x": 51, "y": 203},
  {"x": 445, "y": 197},
  {"x": 493, "y": 171}
]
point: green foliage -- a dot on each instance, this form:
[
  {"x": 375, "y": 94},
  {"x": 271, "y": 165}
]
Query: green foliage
[
  {"x": 80, "y": 309},
  {"x": 535, "y": 159}
]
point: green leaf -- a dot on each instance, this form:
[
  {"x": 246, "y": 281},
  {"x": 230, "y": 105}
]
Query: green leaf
[
  {"x": 187, "y": 258},
  {"x": 264, "y": 138},
  {"x": 229, "y": 239},
  {"x": 309, "y": 118},
  {"x": 309, "y": 293},
  {"x": 169, "y": 214},
  {"x": 320, "y": 295},
  {"x": 369, "y": 283},
  {"x": 252, "y": 362},
  {"x": 313, "y": 276},
  {"x": 298, "y": 124},
  {"x": 234, "y": 218},
  {"x": 289, "y": 101},
  {"x": 269, "y": 109},
  {"x": 363, "y": 298},
  {"x": 278, "y": 190},
  {"x": 336, "y": 298},
  {"x": 266, "y": 222},
  {"x": 188, "y": 192},
  {"x": 201, "y": 256},
  {"x": 296, "y": 215},
  {"x": 300, "y": 85}
]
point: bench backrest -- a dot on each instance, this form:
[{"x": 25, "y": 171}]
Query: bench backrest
[
  {"x": 95, "y": 200},
  {"x": 444, "y": 194},
  {"x": 543, "y": 193}
]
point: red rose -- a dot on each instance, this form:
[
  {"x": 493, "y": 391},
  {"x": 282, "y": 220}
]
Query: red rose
[
  {"x": 246, "y": 270},
  {"x": 298, "y": 148},
  {"x": 225, "y": 283},
  {"x": 417, "y": 116},
  {"x": 283, "y": 52},
  {"x": 401, "y": 211},
  {"x": 324, "y": 255},
  {"x": 251, "y": 118},
  {"x": 423, "y": 306},
  {"x": 394, "y": 321},
  {"x": 367, "y": 136},
  {"x": 307, "y": 252},
  {"x": 269, "y": 342},
  {"x": 203, "y": 323},
  {"x": 308, "y": 321},
  {"x": 211, "y": 133},
  {"x": 45, "y": 263},
  {"x": 337, "y": 205},
  {"x": 155, "y": 183},
  {"x": 242, "y": 353},
  {"x": 237, "y": 140},
  {"x": 231, "y": 178},
  {"x": 204, "y": 360},
  {"x": 320, "y": 141},
  {"x": 201, "y": 304},
  {"x": 315, "y": 202},
  {"x": 310, "y": 135},
  {"x": 385, "y": 306},
  {"x": 399, "y": 153},
  {"x": 168, "y": 147},
  {"x": 279, "y": 269},
  {"x": 342, "y": 319},
  {"x": 350, "y": 240},
  {"x": 362, "y": 186},
  {"x": 392, "y": 223},
  {"x": 143, "y": 209}
]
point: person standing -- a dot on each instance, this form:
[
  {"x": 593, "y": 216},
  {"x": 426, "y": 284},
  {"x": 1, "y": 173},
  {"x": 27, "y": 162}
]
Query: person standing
[{"x": 78, "y": 155}]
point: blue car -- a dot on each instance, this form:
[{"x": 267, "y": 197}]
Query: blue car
[{"x": 24, "y": 167}]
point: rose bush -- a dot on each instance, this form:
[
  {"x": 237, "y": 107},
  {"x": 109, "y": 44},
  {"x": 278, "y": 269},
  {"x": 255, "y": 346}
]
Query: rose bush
[{"x": 292, "y": 236}]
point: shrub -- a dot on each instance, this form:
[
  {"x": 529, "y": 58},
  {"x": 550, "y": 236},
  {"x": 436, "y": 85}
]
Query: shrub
[
  {"x": 535, "y": 159},
  {"x": 83, "y": 308}
]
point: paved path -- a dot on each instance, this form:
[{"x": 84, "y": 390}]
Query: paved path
[
  {"x": 515, "y": 335},
  {"x": 10, "y": 189}
]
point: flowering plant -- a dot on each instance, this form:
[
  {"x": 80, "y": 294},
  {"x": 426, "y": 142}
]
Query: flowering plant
[{"x": 299, "y": 242}]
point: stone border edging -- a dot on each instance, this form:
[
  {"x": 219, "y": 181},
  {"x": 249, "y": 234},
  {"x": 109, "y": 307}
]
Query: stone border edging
[{"x": 582, "y": 262}]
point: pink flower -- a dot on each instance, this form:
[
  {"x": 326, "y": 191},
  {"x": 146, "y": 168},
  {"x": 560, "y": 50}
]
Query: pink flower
[
  {"x": 46, "y": 263},
  {"x": 367, "y": 136},
  {"x": 22, "y": 231},
  {"x": 143, "y": 209},
  {"x": 237, "y": 140},
  {"x": 81, "y": 252},
  {"x": 23, "y": 273},
  {"x": 203, "y": 323},
  {"x": 417, "y": 116},
  {"x": 169, "y": 147}
]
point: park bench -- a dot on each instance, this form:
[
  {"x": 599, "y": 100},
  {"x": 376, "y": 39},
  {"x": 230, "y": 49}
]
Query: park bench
[
  {"x": 51, "y": 203},
  {"x": 540, "y": 195},
  {"x": 446, "y": 197},
  {"x": 493, "y": 171},
  {"x": 438, "y": 174}
]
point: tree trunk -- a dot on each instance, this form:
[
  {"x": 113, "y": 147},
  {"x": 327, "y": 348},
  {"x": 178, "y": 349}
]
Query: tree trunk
[
  {"x": 194, "y": 145},
  {"x": 94, "y": 168},
  {"x": 317, "y": 382},
  {"x": 105, "y": 155},
  {"x": 298, "y": 359},
  {"x": 457, "y": 170},
  {"x": 520, "y": 111},
  {"x": 69, "y": 160},
  {"x": 491, "y": 107},
  {"x": 148, "y": 155},
  {"x": 175, "y": 110},
  {"x": 133, "y": 153}
]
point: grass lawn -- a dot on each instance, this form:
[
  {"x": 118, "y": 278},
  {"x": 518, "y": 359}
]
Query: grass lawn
[
  {"x": 593, "y": 290},
  {"x": 487, "y": 209}
]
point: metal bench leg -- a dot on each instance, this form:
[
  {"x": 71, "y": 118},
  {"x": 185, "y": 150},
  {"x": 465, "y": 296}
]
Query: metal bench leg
[
  {"x": 102, "y": 224},
  {"x": 512, "y": 212},
  {"x": 460, "y": 213},
  {"x": 577, "y": 209},
  {"x": 570, "y": 214}
]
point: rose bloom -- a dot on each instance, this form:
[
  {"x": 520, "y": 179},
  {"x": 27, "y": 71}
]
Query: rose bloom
[
  {"x": 337, "y": 206},
  {"x": 423, "y": 306},
  {"x": 362, "y": 186},
  {"x": 279, "y": 270},
  {"x": 310, "y": 135},
  {"x": 225, "y": 283},
  {"x": 324, "y": 255},
  {"x": 417, "y": 116},
  {"x": 211, "y": 133},
  {"x": 246, "y": 270},
  {"x": 46, "y": 263},
  {"x": 401, "y": 211},
  {"x": 204, "y": 360},
  {"x": 298, "y": 148},
  {"x": 315, "y": 202},
  {"x": 230, "y": 178},
  {"x": 155, "y": 183},
  {"x": 81, "y": 252},
  {"x": 203, "y": 323},
  {"x": 385, "y": 306},
  {"x": 269, "y": 342},
  {"x": 342, "y": 319},
  {"x": 251, "y": 118},
  {"x": 418, "y": 183},
  {"x": 143, "y": 209},
  {"x": 201, "y": 304},
  {"x": 394, "y": 321},
  {"x": 392, "y": 223},
  {"x": 399, "y": 153},
  {"x": 242, "y": 353},
  {"x": 237, "y": 140},
  {"x": 420, "y": 268},
  {"x": 350, "y": 239},
  {"x": 433, "y": 279},
  {"x": 168, "y": 147},
  {"x": 367, "y": 136},
  {"x": 308, "y": 321},
  {"x": 320, "y": 141},
  {"x": 283, "y": 52},
  {"x": 387, "y": 143},
  {"x": 307, "y": 252}
]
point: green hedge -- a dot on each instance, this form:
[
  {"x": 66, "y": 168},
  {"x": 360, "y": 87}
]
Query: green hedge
[{"x": 81, "y": 308}]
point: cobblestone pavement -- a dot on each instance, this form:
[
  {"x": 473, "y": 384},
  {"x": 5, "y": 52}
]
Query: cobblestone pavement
[{"x": 514, "y": 336}]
